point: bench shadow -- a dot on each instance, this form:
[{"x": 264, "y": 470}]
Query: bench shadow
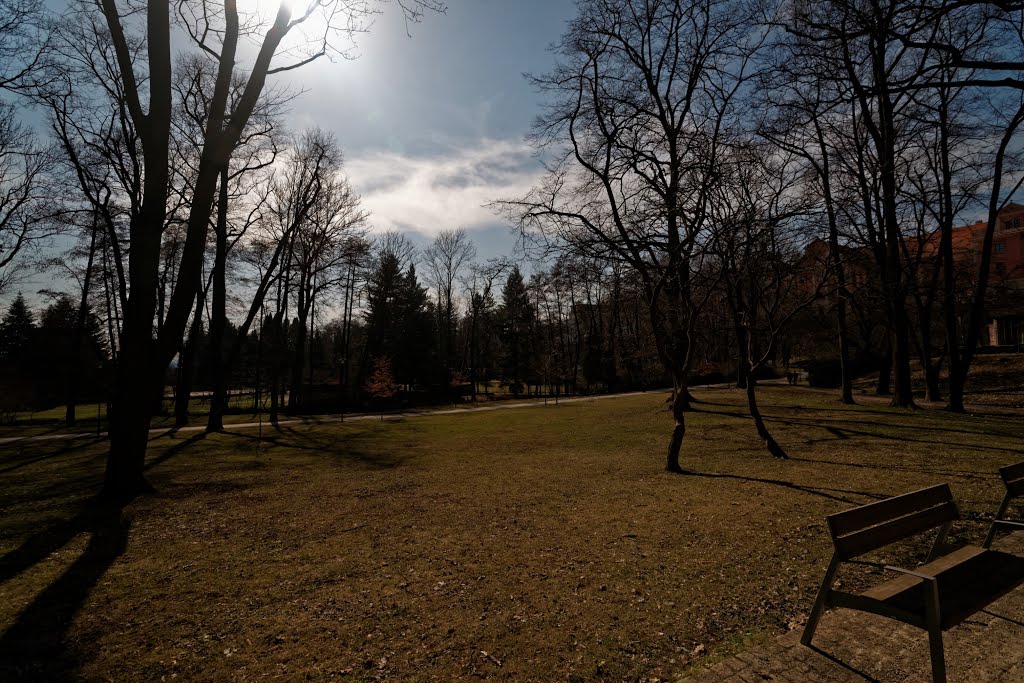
[
  {"x": 1003, "y": 617},
  {"x": 835, "y": 660},
  {"x": 35, "y": 646}
]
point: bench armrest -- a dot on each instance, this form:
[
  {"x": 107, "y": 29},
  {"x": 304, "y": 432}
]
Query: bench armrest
[
  {"x": 1006, "y": 522},
  {"x": 901, "y": 570}
]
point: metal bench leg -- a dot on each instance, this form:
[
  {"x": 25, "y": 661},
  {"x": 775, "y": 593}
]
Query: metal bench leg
[
  {"x": 934, "y": 622},
  {"x": 999, "y": 515},
  {"x": 819, "y": 602}
]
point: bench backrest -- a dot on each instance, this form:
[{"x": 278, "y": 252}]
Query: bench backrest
[
  {"x": 1013, "y": 477},
  {"x": 869, "y": 527}
]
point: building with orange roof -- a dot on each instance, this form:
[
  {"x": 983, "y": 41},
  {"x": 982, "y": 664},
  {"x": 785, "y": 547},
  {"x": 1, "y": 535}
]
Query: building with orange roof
[{"x": 1006, "y": 273}]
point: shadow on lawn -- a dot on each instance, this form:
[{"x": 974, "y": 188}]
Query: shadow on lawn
[
  {"x": 890, "y": 466},
  {"x": 342, "y": 446},
  {"x": 831, "y": 657},
  {"x": 846, "y": 431},
  {"x": 32, "y": 459},
  {"x": 34, "y": 647},
  {"x": 174, "y": 450},
  {"x": 824, "y": 492}
]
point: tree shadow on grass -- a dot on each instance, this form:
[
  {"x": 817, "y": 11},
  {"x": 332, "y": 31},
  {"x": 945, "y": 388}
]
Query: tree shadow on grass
[
  {"x": 35, "y": 647},
  {"x": 823, "y": 492},
  {"x": 982, "y": 430},
  {"x": 174, "y": 450},
  {"x": 845, "y": 432},
  {"x": 339, "y": 446},
  {"x": 42, "y": 544},
  {"x": 844, "y": 423},
  {"x": 890, "y": 466},
  {"x": 31, "y": 459}
]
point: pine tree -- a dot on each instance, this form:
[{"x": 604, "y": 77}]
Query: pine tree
[
  {"x": 400, "y": 324},
  {"x": 17, "y": 357},
  {"x": 516, "y": 325},
  {"x": 415, "y": 358},
  {"x": 17, "y": 333}
]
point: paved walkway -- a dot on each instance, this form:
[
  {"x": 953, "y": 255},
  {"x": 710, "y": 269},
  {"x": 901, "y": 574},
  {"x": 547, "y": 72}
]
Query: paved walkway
[
  {"x": 331, "y": 420},
  {"x": 853, "y": 647}
]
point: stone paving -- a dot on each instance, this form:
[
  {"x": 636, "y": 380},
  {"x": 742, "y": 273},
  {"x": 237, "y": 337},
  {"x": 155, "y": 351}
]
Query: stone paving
[{"x": 852, "y": 647}]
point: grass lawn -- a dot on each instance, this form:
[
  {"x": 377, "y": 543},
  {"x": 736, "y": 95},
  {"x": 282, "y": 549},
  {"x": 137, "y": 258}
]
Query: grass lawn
[{"x": 541, "y": 544}]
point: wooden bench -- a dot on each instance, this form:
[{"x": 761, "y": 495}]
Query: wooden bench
[
  {"x": 1013, "y": 479},
  {"x": 935, "y": 596}
]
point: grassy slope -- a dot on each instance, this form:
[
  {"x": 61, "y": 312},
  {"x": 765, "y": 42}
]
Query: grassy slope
[{"x": 547, "y": 538}]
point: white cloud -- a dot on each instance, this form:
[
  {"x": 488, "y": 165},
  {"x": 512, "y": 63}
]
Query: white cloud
[{"x": 449, "y": 189}]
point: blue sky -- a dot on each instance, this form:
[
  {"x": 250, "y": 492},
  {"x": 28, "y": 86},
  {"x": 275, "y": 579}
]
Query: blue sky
[{"x": 433, "y": 124}]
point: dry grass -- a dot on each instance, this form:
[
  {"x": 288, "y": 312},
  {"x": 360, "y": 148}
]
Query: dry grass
[{"x": 536, "y": 544}]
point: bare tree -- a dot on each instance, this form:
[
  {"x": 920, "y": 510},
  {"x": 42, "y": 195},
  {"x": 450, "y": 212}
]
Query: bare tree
[
  {"x": 324, "y": 245},
  {"x": 639, "y": 104},
  {"x": 141, "y": 42},
  {"x": 855, "y": 44},
  {"x": 292, "y": 196},
  {"x": 762, "y": 222},
  {"x": 25, "y": 221},
  {"x": 449, "y": 254},
  {"x": 22, "y": 43},
  {"x": 479, "y": 285}
]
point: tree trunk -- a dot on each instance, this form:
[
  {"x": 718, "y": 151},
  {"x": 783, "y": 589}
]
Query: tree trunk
[
  {"x": 298, "y": 362},
  {"x": 679, "y": 407},
  {"x": 933, "y": 391},
  {"x": 186, "y": 370},
  {"x": 218, "y": 314},
  {"x": 976, "y": 317},
  {"x": 742, "y": 370},
  {"x": 893, "y": 286},
  {"x": 75, "y": 357},
  {"x": 836, "y": 259},
  {"x": 129, "y": 420},
  {"x": 139, "y": 370},
  {"x": 762, "y": 431},
  {"x": 885, "y": 375}
]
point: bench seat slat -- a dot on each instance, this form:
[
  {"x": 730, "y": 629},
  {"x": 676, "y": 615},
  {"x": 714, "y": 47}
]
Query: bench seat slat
[
  {"x": 859, "y": 542},
  {"x": 888, "y": 589},
  {"x": 969, "y": 579},
  {"x": 859, "y": 518}
]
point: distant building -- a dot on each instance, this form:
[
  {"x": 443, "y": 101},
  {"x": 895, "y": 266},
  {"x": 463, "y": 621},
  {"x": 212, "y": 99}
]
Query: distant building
[
  {"x": 1005, "y": 294},
  {"x": 1005, "y": 326}
]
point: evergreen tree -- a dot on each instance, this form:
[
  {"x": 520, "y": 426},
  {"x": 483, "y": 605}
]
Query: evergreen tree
[
  {"x": 17, "y": 332},
  {"x": 516, "y": 324},
  {"x": 416, "y": 361},
  {"x": 400, "y": 322},
  {"x": 382, "y": 290},
  {"x": 64, "y": 369},
  {"x": 17, "y": 357}
]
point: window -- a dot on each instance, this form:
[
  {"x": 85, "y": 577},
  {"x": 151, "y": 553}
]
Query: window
[
  {"x": 1000, "y": 247},
  {"x": 1011, "y": 223},
  {"x": 1001, "y": 268}
]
